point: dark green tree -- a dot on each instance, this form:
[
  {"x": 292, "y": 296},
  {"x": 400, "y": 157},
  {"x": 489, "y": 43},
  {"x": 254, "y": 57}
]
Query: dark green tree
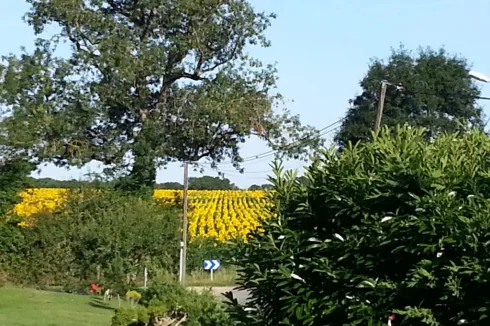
[
  {"x": 158, "y": 80},
  {"x": 211, "y": 183},
  {"x": 438, "y": 94},
  {"x": 14, "y": 177}
]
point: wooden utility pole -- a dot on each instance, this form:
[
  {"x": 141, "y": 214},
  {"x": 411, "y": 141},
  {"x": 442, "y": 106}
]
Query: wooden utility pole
[
  {"x": 185, "y": 222},
  {"x": 379, "y": 114}
]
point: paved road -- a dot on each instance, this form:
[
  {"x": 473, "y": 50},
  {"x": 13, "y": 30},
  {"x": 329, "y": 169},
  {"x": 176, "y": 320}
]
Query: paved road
[{"x": 218, "y": 291}]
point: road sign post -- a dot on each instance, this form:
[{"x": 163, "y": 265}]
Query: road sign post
[{"x": 211, "y": 266}]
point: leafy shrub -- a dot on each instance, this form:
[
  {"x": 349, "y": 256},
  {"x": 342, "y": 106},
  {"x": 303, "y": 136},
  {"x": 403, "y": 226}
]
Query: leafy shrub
[
  {"x": 399, "y": 225},
  {"x": 100, "y": 234},
  {"x": 130, "y": 317},
  {"x": 14, "y": 174},
  {"x": 12, "y": 244},
  {"x": 162, "y": 293},
  {"x": 172, "y": 301},
  {"x": 133, "y": 297}
]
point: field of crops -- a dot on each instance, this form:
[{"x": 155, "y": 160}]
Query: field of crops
[{"x": 218, "y": 214}]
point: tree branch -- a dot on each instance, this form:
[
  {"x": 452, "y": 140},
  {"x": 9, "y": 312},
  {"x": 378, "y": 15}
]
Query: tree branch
[
  {"x": 225, "y": 60},
  {"x": 147, "y": 24},
  {"x": 168, "y": 79},
  {"x": 86, "y": 48}
]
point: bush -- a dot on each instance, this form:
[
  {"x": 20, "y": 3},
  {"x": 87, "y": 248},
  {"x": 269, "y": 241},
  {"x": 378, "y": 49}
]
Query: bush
[
  {"x": 173, "y": 302},
  {"x": 397, "y": 226},
  {"x": 130, "y": 317},
  {"x": 12, "y": 244},
  {"x": 105, "y": 235},
  {"x": 162, "y": 293},
  {"x": 14, "y": 175}
]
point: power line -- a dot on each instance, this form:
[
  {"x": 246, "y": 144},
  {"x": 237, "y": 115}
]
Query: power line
[
  {"x": 248, "y": 177},
  {"x": 237, "y": 173},
  {"x": 318, "y": 134},
  {"x": 296, "y": 144},
  {"x": 324, "y": 131},
  {"x": 291, "y": 145},
  {"x": 245, "y": 172},
  {"x": 265, "y": 155}
]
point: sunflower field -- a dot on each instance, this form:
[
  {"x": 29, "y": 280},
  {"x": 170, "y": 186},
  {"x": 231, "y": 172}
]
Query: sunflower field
[{"x": 214, "y": 214}]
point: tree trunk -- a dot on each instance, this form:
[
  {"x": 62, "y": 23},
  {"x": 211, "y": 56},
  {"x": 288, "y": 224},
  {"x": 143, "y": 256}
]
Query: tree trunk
[{"x": 142, "y": 177}]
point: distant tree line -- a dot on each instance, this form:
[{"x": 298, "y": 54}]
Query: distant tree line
[
  {"x": 68, "y": 184},
  {"x": 269, "y": 186},
  {"x": 201, "y": 183},
  {"x": 265, "y": 186}
]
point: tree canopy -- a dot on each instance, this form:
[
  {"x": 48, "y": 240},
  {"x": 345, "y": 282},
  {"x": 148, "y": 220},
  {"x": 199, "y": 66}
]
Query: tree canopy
[
  {"x": 437, "y": 94},
  {"x": 153, "y": 80}
]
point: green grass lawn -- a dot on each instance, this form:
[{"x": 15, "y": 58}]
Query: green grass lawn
[{"x": 27, "y": 307}]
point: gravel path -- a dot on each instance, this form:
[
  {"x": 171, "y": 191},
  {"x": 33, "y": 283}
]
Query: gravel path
[{"x": 218, "y": 291}]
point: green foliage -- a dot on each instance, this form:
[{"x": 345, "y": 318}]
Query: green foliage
[
  {"x": 12, "y": 244},
  {"x": 265, "y": 186},
  {"x": 115, "y": 233},
  {"x": 200, "y": 183},
  {"x": 170, "y": 185},
  {"x": 163, "y": 80},
  {"x": 130, "y": 317},
  {"x": 438, "y": 94},
  {"x": 14, "y": 172},
  {"x": 398, "y": 225},
  {"x": 162, "y": 293},
  {"x": 133, "y": 297},
  {"x": 13, "y": 179},
  {"x": 171, "y": 301},
  {"x": 211, "y": 183}
]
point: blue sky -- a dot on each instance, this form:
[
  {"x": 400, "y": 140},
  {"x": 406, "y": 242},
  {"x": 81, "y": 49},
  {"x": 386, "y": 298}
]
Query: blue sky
[{"x": 322, "y": 49}]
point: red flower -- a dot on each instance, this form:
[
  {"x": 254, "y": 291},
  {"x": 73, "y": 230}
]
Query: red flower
[{"x": 95, "y": 288}]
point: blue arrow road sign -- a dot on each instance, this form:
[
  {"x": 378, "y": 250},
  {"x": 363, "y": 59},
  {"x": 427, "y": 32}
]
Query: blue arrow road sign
[{"x": 211, "y": 264}]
